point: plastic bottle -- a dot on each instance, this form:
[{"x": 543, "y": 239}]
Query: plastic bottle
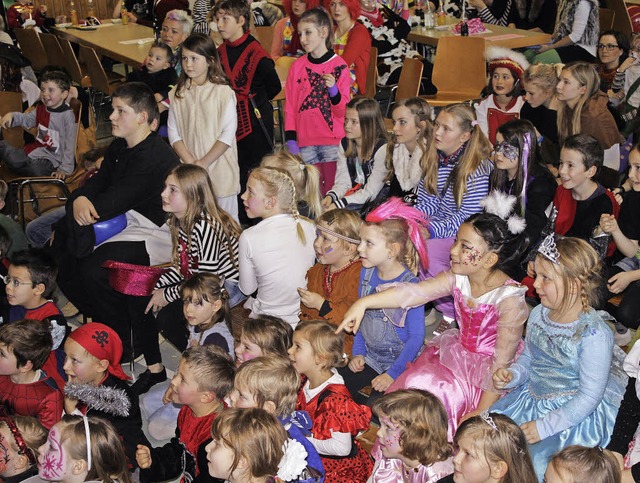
[
  {"x": 74, "y": 14},
  {"x": 442, "y": 15},
  {"x": 464, "y": 29},
  {"x": 429, "y": 21},
  {"x": 125, "y": 16},
  {"x": 90, "y": 12}
]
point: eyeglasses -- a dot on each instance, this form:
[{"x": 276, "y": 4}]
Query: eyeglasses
[
  {"x": 14, "y": 281},
  {"x": 507, "y": 150},
  {"x": 607, "y": 46}
]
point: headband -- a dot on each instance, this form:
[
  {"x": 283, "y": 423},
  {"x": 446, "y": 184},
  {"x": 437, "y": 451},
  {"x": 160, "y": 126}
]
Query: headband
[
  {"x": 87, "y": 435},
  {"x": 396, "y": 209},
  {"x": 19, "y": 439},
  {"x": 102, "y": 342},
  {"x": 337, "y": 235}
]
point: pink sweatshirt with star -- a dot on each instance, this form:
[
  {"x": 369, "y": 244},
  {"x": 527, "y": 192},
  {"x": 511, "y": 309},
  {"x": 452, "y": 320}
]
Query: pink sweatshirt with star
[{"x": 312, "y": 116}]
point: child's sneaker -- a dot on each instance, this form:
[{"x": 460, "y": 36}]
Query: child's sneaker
[{"x": 622, "y": 338}]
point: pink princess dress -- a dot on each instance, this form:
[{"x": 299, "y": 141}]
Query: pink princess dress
[{"x": 457, "y": 366}]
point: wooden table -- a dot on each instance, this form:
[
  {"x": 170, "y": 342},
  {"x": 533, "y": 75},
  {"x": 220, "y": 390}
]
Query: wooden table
[
  {"x": 107, "y": 40},
  {"x": 495, "y": 35}
]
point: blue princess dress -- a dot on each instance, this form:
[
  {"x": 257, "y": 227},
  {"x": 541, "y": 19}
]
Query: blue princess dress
[{"x": 569, "y": 379}]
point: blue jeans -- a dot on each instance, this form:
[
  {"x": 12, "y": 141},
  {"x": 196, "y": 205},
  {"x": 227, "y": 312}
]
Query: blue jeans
[
  {"x": 319, "y": 154},
  {"x": 39, "y": 231}
]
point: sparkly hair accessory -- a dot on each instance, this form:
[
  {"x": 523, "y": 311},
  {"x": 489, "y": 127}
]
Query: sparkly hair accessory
[
  {"x": 501, "y": 204},
  {"x": 396, "y": 209},
  {"x": 526, "y": 149},
  {"x": 486, "y": 417},
  {"x": 549, "y": 250},
  {"x": 329, "y": 231},
  {"x": 301, "y": 166},
  {"x": 23, "y": 447}
]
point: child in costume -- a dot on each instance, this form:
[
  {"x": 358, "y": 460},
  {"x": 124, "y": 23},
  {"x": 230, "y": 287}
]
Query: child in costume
[
  {"x": 203, "y": 380},
  {"x": 333, "y": 283},
  {"x": 577, "y": 463},
  {"x": 504, "y": 91},
  {"x": 317, "y": 92},
  {"x": 248, "y": 446},
  {"x": 392, "y": 251},
  {"x": 208, "y": 320},
  {"x": 271, "y": 383},
  {"x": 566, "y": 386},
  {"x": 491, "y": 449},
  {"x": 93, "y": 358},
  {"x": 286, "y": 41},
  {"x": 306, "y": 178},
  {"x": 337, "y": 419},
  {"x": 362, "y": 153},
  {"x": 21, "y": 438},
  {"x": 203, "y": 120},
  {"x": 411, "y": 150},
  {"x": 263, "y": 336},
  {"x": 490, "y": 310},
  {"x": 411, "y": 444},
  {"x": 254, "y": 80},
  {"x": 30, "y": 281},
  {"x": 82, "y": 449},
  {"x": 204, "y": 240},
  {"x": 276, "y": 253},
  {"x": 456, "y": 179},
  {"x": 26, "y": 389}
]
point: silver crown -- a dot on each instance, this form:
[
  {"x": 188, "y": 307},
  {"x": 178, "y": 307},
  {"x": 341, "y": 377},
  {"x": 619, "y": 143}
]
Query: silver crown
[{"x": 549, "y": 250}]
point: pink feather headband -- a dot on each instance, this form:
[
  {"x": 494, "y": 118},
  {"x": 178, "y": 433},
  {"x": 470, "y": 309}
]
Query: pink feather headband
[{"x": 396, "y": 209}]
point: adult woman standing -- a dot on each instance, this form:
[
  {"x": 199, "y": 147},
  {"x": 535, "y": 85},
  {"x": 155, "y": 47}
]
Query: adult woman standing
[{"x": 351, "y": 41}]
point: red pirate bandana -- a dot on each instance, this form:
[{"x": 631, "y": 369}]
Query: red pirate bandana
[{"x": 102, "y": 343}]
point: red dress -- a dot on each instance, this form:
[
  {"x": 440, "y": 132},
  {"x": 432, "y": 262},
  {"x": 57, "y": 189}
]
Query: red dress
[{"x": 334, "y": 409}]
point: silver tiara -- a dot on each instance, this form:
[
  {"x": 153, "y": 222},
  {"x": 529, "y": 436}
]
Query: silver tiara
[
  {"x": 486, "y": 417},
  {"x": 549, "y": 250}
]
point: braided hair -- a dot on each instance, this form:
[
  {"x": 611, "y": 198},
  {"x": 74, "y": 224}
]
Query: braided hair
[{"x": 278, "y": 183}]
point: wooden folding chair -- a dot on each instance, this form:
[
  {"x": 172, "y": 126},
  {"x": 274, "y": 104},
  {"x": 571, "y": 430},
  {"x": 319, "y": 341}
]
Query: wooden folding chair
[
  {"x": 72, "y": 65},
  {"x": 607, "y": 17},
  {"x": 283, "y": 65},
  {"x": 264, "y": 35},
  {"x": 32, "y": 48},
  {"x": 408, "y": 84},
  {"x": 36, "y": 195},
  {"x": 459, "y": 70},
  {"x": 101, "y": 83},
  {"x": 372, "y": 73},
  {"x": 11, "y": 102},
  {"x": 55, "y": 55}
]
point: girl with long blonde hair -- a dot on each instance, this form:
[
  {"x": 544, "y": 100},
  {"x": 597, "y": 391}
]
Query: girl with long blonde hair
[
  {"x": 455, "y": 182},
  {"x": 276, "y": 253}
]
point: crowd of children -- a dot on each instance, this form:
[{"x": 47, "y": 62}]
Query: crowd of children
[{"x": 295, "y": 282}]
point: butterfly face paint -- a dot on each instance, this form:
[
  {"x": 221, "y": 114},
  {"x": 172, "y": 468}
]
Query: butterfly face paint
[
  {"x": 389, "y": 438},
  {"x": 52, "y": 463},
  {"x": 468, "y": 251}
]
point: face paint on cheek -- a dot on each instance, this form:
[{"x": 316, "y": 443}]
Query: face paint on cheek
[
  {"x": 4, "y": 453},
  {"x": 328, "y": 250},
  {"x": 53, "y": 463},
  {"x": 473, "y": 257},
  {"x": 392, "y": 438}
]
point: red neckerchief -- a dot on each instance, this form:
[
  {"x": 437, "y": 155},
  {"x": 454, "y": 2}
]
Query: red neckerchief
[
  {"x": 567, "y": 206},
  {"x": 374, "y": 17},
  {"x": 241, "y": 77}
]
